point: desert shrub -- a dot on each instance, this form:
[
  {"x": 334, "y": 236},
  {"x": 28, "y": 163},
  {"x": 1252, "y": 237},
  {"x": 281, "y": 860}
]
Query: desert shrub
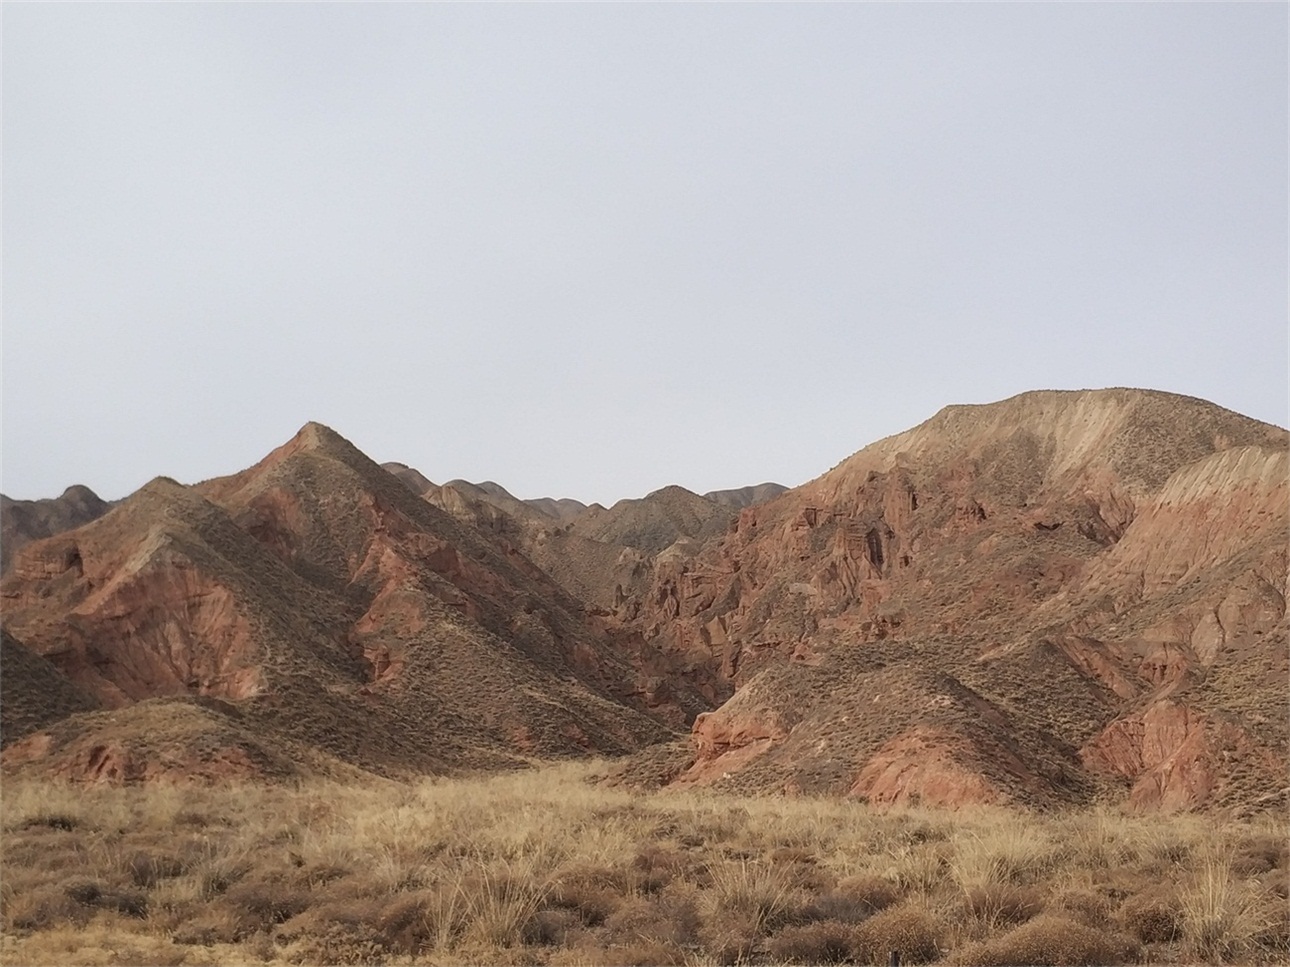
[
  {"x": 593, "y": 892},
  {"x": 822, "y": 942},
  {"x": 147, "y": 868},
  {"x": 730, "y": 939},
  {"x": 657, "y": 866},
  {"x": 1258, "y": 853},
  {"x": 1051, "y": 939},
  {"x": 754, "y": 892},
  {"x": 1220, "y": 917},
  {"x": 42, "y": 907},
  {"x": 909, "y": 928},
  {"x": 1152, "y": 917},
  {"x": 999, "y": 904},
  {"x": 1083, "y": 906},
  {"x": 214, "y": 925},
  {"x": 553, "y": 928},
  {"x": 670, "y": 919},
  {"x": 339, "y": 943},
  {"x": 1010, "y": 853},
  {"x": 852, "y": 900},
  {"x": 264, "y": 903},
  {"x": 498, "y": 907}
]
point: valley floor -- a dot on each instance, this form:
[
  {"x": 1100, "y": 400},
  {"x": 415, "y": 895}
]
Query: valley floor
[{"x": 548, "y": 867}]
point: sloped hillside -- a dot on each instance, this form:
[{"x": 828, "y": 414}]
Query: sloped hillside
[
  {"x": 1103, "y": 567},
  {"x": 654, "y": 521},
  {"x": 337, "y": 610}
]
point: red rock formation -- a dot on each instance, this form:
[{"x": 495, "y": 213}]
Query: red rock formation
[{"x": 1119, "y": 540}]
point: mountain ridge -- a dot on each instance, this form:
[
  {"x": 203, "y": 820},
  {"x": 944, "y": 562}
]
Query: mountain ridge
[{"x": 1061, "y": 598}]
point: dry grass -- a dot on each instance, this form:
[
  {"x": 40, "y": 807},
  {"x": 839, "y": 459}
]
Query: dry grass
[{"x": 545, "y": 867}]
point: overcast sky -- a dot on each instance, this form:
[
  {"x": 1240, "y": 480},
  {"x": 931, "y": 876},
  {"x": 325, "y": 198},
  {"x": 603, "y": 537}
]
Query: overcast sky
[{"x": 590, "y": 250}]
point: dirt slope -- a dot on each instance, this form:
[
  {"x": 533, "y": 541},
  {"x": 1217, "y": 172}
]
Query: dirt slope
[{"x": 33, "y": 693}]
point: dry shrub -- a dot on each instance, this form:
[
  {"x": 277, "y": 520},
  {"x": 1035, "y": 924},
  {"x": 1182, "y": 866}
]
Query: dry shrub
[
  {"x": 1221, "y": 917},
  {"x": 498, "y": 907},
  {"x": 1083, "y": 906},
  {"x": 93, "y": 893},
  {"x": 909, "y": 928},
  {"x": 265, "y": 903},
  {"x": 730, "y": 939},
  {"x": 553, "y": 928},
  {"x": 657, "y": 866},
  {"x": 42, "y": 908},
  {"x": 759, "y": 894},
  {"x": 1152, "y": 917},
  {"x": 214, "y": 925},
  {"x": 823, "y": 942},
  {"x": 852, "y": 900},
  {"x": 1258, "y": 853},
  {"x": 1051, "y": 939},
  {"x": 1008, "y": 853},
  {"x": 593, "y": 892},
  {"x": 147, "y": 869},
  {"x": 338, "y": 943},
  {"x": 1002, "y": 904},
  {"x": 670, "y": 920}
]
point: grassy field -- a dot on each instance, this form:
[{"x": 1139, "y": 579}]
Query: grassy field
[{"x": 546, "y": 867}]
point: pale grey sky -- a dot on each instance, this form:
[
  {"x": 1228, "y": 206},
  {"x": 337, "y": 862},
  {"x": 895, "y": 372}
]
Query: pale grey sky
[{"x": 590, "y": 250}]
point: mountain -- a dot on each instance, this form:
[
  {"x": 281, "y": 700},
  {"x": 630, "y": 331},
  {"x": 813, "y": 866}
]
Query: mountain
[
  {"x": 335, "y": 609},
  {"x": 1059, "y": 599},
  {"x": 655, "y": 521},
  {"x": 1084, "y": 588},
  {"x": 561, "y": 509},
  {"x": 743, "y": 497},
  {"x": 24, "y": 521}
]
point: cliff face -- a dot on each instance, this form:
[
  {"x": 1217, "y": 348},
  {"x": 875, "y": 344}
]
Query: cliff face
[{"x": 1126, "y": 548}]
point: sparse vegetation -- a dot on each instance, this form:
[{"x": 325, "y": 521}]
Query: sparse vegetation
[{"x": 547, "y": 867}]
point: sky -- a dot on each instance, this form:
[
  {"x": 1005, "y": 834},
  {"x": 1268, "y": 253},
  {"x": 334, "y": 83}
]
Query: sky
[{"x": 591, "y": 250}]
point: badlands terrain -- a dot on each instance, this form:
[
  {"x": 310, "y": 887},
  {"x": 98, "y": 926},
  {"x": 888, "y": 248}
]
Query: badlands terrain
[{"x": 810, "y": 711}]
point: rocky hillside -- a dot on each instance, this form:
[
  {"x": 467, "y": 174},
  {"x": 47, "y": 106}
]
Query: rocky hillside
[
  {"x": 655, "y": 521},
  {"x": 1058, "y": 599},
  {"x": 24, "y": 521},
  {"x": 1083, "y": 589},
  {"x": 320, "y": 598},
  {"x": 742, "y": 497}
]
